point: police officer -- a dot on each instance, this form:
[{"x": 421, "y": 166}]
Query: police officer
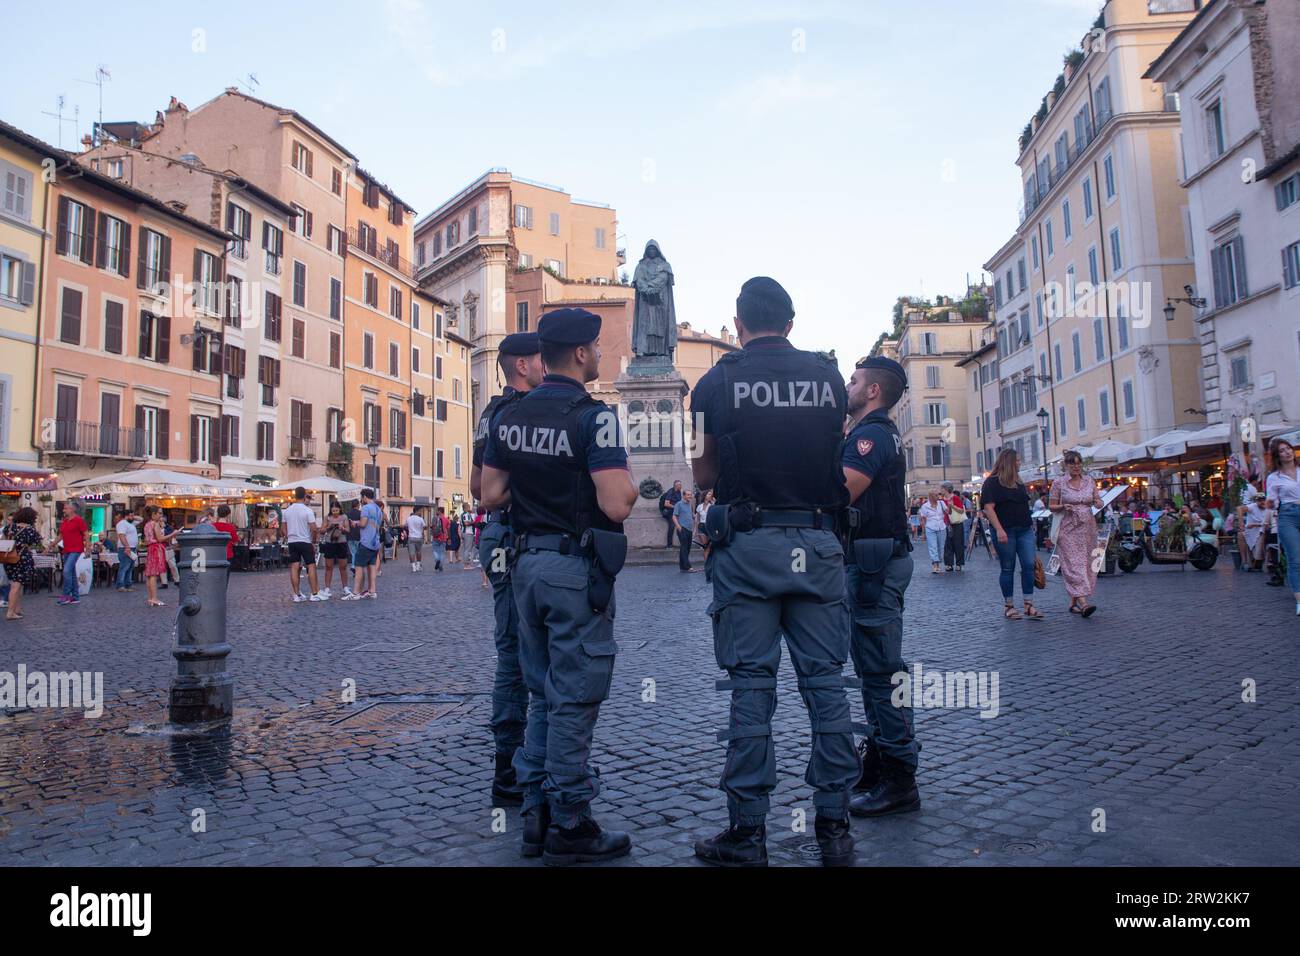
[
  {"x": 556, "y": 459},
  {"x": 521, "y": 366},
  {"x": 879, "y": 570},
  {"x": 772, "y": 420}
]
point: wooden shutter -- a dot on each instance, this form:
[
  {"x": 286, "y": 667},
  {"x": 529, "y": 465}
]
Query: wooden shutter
[
  {"x": 166, "y": 259},
  {"x": 214, "y": 442},
  {"x": 141, "y": 262},
  {"x": 308, "y": 152},
  {"x": 198, "y": 283},
  {"x": 164, "y": 420},
  {"x": 309, "y": 224},
  {"x": 164, "y": 339},
  {"x": 305, "y": 424},
  {"x": 194, "y": 438},
  {"x": 197, "y": 351},
  {"x": 113, "y": 327},
  {"x": 214, "y": 355},
  {"x": 87, "y": 236},
  {"x": 146, "y": 320},
  {"x": 101, "y": 241},
  {"x": 70, "y": 326},
  {"x": 275, "y": 367},
  {"x": 61, "y": 236},
  {"x": 124, "y": 259},
  {"x": 28, "y": 293}
]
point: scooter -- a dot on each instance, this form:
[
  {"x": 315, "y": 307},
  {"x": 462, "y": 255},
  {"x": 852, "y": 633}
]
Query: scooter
[{"x": 1200, "y": 550}]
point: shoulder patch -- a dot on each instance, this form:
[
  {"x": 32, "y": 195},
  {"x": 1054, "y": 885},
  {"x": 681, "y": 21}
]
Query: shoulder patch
[{"x": 865, "y": 445}]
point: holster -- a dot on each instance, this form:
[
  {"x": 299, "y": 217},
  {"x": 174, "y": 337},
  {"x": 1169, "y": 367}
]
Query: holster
[
  {"x": 608, "y": 552},
  {"x": 507, "y": 545},
  {"x": 717, "y": 525},
  {"x": 872, "y": 556}
]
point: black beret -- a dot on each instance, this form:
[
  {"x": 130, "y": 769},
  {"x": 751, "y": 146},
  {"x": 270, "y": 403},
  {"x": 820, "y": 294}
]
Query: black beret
[
  {"x": 568, "y": 327},
  {"x": 888, "y": 364},
  {"x": 520, "y": 343},
  {"x": 769, "y": 295}
]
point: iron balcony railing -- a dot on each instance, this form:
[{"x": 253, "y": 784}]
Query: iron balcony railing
[
  {"x": 302, "y": 449},
  {"x": 382, "y": 254},
  {"x": 93, "y": 438}
]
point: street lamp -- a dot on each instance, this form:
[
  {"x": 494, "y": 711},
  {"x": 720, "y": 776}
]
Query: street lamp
[
  {"x": 1191, "y": 299},
  {"x": 1043, "y": 416},
  {"x": 943, "y": 457},
  {"x": 372, "y": 446}
]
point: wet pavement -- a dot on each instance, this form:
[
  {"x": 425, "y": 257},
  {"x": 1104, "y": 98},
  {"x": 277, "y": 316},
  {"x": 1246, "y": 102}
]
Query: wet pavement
[{"x": 1123, "y": 739}]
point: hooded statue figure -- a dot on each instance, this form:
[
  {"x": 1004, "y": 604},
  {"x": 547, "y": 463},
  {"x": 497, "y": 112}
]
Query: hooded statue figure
[{"x": 654, "y": 319}]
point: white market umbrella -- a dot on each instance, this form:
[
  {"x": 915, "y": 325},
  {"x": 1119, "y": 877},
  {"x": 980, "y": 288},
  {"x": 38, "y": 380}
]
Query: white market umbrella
[
  {"x": 159, "y": 481},
  {"x": 325, "y": 484},
  {"x": 1169, "y": 445},
  {"x": 1106, "y": 452}
]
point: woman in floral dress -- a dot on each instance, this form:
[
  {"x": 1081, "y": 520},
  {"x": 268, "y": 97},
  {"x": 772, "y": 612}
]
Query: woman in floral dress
[
  {"x": 1074, "y": 497},
  {"x": 23, "y": 574}
]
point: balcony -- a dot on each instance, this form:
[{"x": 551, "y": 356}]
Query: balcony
[
  {"x": 94, "y": 439},
  {"x": 302, "y": 449},
  {"x": 1056, "y": 173},
  {"x": 371, "y": 248}
]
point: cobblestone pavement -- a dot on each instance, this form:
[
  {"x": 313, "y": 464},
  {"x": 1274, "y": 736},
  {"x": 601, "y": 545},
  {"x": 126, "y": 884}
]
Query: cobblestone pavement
[{"x": 1137, "y": 712}]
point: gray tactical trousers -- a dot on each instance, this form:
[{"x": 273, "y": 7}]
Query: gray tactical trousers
[
  {"x": 567, "y": 653},
  {"x": 769, "y": 582},
  {"x": 509, "y": 692}
]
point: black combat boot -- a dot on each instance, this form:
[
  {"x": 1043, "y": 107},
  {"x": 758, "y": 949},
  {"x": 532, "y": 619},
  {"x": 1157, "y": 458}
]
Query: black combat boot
[
  {"x": 505, "y": 789},
  {"x": 835, "y": 840},
  {"x": 537, "y": 822},
  {"x": 896, "y": 792},
  {"x": 585, "y": 843},
  {"x": 735, "y": 846},
  {"x": 870, "y": 765}
]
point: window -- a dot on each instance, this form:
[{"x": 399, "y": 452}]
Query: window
[
  {"x": 525, "y": 260},
  {"x": 1065, "y": 220},
  {"x": 1051, "y": 245},
  {"x": 1024, "y": 278},
  {"x": 1228, "y": 262},
  {"x": 1102, "y": 99},
  {"x": 555, "y": 223},
  {"x": 268, "y": 376},
  {"x": 113, "y": 245},
  {"x": 266, "y": 441},
  {"x": 204, "y": 440},
  {"x": 415, "y": 359},
  {"x": 935, "y": 413},
  {"x": 437, "y": 367},
  {"x": 299, "y": 284},
  {"x": 236, "y": 361},
  {"x": 207, "y": 282},
  {"x": 336, "y": 350},
  {"x": 1214, "y": 136},
  {"x": 929, "y": 343},
  {"x": 70, "y": 317},
  {"x": 15, "y": 196},
  {"x": 397, "y": 427},
  {"x": 600, "y": 238},
  {"x": 523, "y": 219},
  {"x": 456, "y": 463},
  {"x": 334, "y": 239},
  {"x": 367, "y": 350},
  {"x": 1038, "y": 308},
  {"x": 1238, "y": 370},
  {"x": 440, "y": 410},
  {"x": 1130, "y": 407},
  {"x": 367, "y": 237},
  {"x": 473, "y": 221},
  {"x": 1082, "y": 128},
  {"x": 1077, "y": 348},
  {"x": 556, "y": 266},
  {"x": 1287, "y": 192},
  {"x": 1291, "y": 265},
  {"x": 1011, "y": 284},
  {"x": 1092, "y": 265},
  {"x": 154, "y": 259},
  {"x": 1103, "y": 405},
  {"x": 936, "y": 455},
  {"x": 1042, "y": 364},
  {"x": 437, "y": 244},
  {"x": 334, "y": 425},
  {"x": 1069, "y": 287},
  {"x": 273, "y": 245},
  {"x": 1108, "y": 171},
  {"x": 1062, "y": 151},
  {"x": 336, "y": 182},
  {"x": 17, "y": 279},
  {"x": 113, "y": 326},
  {"x": 1033, "y": 251},
  {"x": 206, "y": 354},
  {"x": 1116, "y": 260},
  {"x": 437, "y": 463},
  {"x": 230, "y": 436},
  {"x": 1056, "y": 348},
  {"x": 302, "y": 159},
  {"x": 395, "y": 302},
  {"x": 155, "y": 337},
  {"x": 1060, "y": 422},
  {"x": 415, "y": 314},
  {"x": 301, "y": 222},
  {"x": 521, "y": 316},
  {"x": 416, "y": 454},
  {"x": 1083, "y": 420},
  {"x": 370, "y": 290},
  {"x": 234, "y": 301},
  {"x": 272, "y": 316},
  {"x": 932, "y": 376},
  {"x": 154, "y": 425},
  {"x": 1099, "y": 340},
  {"x": 370, "y": 423},
  {"x": 1087, "y": 199},
  {"x": 394, "y": 481},
  {"x": 298, "y": 343},
  {"x": 336, "y": 298}
]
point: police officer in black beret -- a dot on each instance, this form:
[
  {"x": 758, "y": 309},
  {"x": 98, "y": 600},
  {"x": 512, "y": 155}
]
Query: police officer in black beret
[
  {"x": 520, "y": 362},
  {"x": 772, "y": 419},
  {"x": 556, "y": 459},
  {"x": 879, "y": 570}
]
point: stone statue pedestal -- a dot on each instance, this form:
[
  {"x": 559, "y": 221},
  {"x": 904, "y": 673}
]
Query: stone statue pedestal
[{"x": 651, "y": 412}]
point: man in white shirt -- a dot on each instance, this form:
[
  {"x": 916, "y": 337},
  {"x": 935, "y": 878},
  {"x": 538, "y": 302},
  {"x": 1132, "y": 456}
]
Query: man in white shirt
[
  {"x": 300, "y": 529},
  {"x": 414, "y": 539},
  {"x": 128, "y": 538}
]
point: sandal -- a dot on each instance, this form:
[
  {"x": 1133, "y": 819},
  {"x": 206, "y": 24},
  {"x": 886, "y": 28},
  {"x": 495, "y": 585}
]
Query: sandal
[
  {"x": 1089, "y": 610},
  {"x": 1032, "y": 613},
  {"x": 155, "y": 604},
  {"x": 1010, "y": 613},
  {"x": 1074, "y": 609}
]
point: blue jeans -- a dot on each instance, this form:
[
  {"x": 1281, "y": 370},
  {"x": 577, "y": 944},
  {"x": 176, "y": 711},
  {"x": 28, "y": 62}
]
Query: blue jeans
[
  {"x": 1020, "y": 542},
  {"x": 1288, "y": 533},
  {"x": 934, "y": 538},
  {"x": 125, "y": 569},
  {"x": 70, "y": 589}
]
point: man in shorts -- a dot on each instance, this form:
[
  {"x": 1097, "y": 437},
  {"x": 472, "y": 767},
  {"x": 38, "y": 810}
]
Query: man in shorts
[
  {"x": 414, "y": 538},
  {"x": 300, "y": 529},
  {"x": 367, "y": 548}
]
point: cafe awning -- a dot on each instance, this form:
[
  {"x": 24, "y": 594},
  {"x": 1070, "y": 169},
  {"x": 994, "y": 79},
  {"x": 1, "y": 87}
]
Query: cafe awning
[
  {"x": 21, "y": 481},
  {"x": 324, "y": 484},
  {"x": 160, "y": 481}
]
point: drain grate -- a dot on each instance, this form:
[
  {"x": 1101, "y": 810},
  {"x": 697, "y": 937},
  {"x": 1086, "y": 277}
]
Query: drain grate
[
  {"x": 402, "y": 716},
  {"x": 379, "y": 647},
  {"x": 1024, "y": 847}
]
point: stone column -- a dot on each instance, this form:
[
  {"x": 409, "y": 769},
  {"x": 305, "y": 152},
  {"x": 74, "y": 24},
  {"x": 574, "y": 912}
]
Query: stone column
[{"x": 651, "y": 410}]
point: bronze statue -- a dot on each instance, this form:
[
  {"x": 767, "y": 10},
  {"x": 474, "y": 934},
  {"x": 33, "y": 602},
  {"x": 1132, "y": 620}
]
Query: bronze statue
[{"x": 654, "y": 319}]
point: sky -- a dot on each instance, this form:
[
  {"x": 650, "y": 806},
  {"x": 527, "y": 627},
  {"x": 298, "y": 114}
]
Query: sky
[{"x": 854, "y": 151}]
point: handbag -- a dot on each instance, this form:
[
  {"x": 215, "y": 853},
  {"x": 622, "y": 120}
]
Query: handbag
[
  {"x": 1040, "y": 576},
  {"x": 8, "y": 552},
  {"x": 956, "y": 515}
]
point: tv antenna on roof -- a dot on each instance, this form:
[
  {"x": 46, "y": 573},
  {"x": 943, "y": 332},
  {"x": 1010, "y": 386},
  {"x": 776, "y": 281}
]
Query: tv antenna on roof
[
  {"x": 101, "y": 74},
  {"x": 76, "y": 112},
  {"x": 252, "y": 82}
]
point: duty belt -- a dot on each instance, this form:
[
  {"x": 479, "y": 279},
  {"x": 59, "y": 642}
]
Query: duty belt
[
  {"x": 502, "y": 516},
  {"x": 563, "y": 543},
  {"x": 784, "y": 518}
]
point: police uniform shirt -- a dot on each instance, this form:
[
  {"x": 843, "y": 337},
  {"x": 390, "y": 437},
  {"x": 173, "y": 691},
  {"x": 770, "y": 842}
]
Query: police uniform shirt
[
  {"x": 874, "y": 448},
  {"x": 599, "y": 438},
  {"x": 498, "y": 402}
]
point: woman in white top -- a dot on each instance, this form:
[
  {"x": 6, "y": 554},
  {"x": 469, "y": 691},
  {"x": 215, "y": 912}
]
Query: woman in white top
[
  {"x": 1283, "y": 490},
  {"x": 934, "y": 522}
]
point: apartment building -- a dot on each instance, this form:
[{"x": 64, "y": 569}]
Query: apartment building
[
  {"x": 130, "y": 345},
  {"x": 1021, "y": 370},
  {"x": 1235, "y": 71},
  {"x": 23, "y": 195},
  {"x": 932, "y": 416},
  {"x": 454, "y": 419},
  {"x": 379, "y": 306},
  {"x": 469, "y": 249},
  {"x": 286, "y": 155},
  {"x": 1103, "y": 228},
  {"x": 254, "y": 295},
  {"x": 983, "y": 402}
]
